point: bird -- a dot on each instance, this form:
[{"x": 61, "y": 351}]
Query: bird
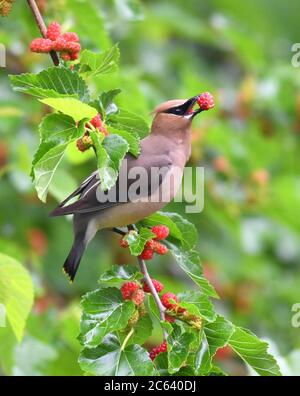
[{"x": 166, "y": 150}]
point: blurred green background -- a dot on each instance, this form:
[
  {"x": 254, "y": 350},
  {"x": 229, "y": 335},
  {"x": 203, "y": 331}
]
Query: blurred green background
[{"x": 249, "y": 230}]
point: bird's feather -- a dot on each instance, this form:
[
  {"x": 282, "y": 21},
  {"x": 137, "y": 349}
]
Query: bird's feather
[{"x": 88, "y": 201}]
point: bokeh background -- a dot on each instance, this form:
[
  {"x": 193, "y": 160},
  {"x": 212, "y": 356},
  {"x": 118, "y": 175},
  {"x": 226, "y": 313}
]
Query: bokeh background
[{"x": 249, "y": 230}]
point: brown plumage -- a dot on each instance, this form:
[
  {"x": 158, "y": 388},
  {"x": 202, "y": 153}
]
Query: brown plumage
[{"x": 165, "y": 150}]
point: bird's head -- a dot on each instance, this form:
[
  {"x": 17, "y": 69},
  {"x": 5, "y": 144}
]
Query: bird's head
[{"x": 179, "y": 113}]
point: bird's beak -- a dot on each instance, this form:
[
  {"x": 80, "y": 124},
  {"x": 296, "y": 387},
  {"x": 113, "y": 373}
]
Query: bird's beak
[
  {"x": 188, "y": 106},
  {"x": 186, "y": 109}
]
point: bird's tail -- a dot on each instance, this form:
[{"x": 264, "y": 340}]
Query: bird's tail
[{"x": 73, "y": 260}]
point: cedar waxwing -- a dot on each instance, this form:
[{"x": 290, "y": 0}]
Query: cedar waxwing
[{"x": 163, "y": 156}]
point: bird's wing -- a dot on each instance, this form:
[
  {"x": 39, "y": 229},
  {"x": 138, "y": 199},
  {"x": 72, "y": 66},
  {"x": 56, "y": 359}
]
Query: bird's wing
[
  {"x": 88, "y": 182},
  {"x": 88, "y": 201}
]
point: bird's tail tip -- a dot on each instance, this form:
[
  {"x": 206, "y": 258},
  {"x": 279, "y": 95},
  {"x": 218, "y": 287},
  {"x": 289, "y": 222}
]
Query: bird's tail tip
[{"x": 73, "y": 260}]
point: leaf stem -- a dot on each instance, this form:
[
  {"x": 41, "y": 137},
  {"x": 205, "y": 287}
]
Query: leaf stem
[
  {"x": 91, "y": 127},
  {"x": 126, "y": 339},
  {"x": 42, "y": 26}
]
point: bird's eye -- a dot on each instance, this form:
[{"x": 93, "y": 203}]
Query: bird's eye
[{"x": 175, "y": 110}]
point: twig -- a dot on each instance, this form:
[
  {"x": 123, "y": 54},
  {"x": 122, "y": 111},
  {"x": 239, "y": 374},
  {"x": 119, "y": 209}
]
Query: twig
[
  {"x": 144, "y": 271},
  {"x": 42, "y": 26},
  {"x": 148, "y": 280}
]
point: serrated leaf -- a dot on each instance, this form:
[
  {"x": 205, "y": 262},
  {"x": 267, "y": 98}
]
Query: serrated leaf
[
  {"x": 178, "y": 350},
  {"x": 56, "y": 132},
  {"x": 53, "y": 82},
  {"x": 92, "y": 64},
  {"x": 254, "y": 352},
  {"x": 215, "y": 336},
  {"x": 104, "y": 311},
  {"x": 128, "y": 121},
  {"x": 110, "y": 153},
  {"x": 116, "y": 147},
  {"x": 105, "y": 104},
  {"x": 120, "y": 273},
  {"x": 107, "y": 101},
  {"x": 45, "y": 168},
  {"x": 55, "y": 129},
  {"x": 137, "y": 240},
  {"x": 218, "y": 333},
  {"x": 190, "y": 263},
  {"x": 131, "y": 138},
  {"x": 16, "y": 293},
  {"x": 110, "y": 360},
  {"x": 187, "y": 229},
  {"x": 203, "y": 304},
  {"x": 71, "y": 107}
]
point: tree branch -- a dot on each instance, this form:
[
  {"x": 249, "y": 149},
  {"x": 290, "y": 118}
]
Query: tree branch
[
  {"x": 148, "y": 280},
  {"x": 42, "y": 26}
]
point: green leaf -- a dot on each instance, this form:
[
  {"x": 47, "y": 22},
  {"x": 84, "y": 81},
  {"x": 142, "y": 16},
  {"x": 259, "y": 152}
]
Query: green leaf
[
  {"x": 137, "y": 240},
  {"x": 53, "y": 82},
  {"x": 105, "y": 104},
  {"x": 45, "y": 168},
  {"x": 116, "y": 148},
  {"x": 203, "y": 304},
  {"x": 142, "y": 330},
  {"x": 71, "y": 107},
  {"x": 161, "y": 363},
  {"x": 131, "y": 138},
  {"x": 187, "y": 229},
  {"x": 107, "y": 101},
  {"x": 189, "y": 262},
  {"x": 55, "y": 129},
  {"x": 56, "y": 132},
  {"x": 203, "y": 358},
  {"x": 218, "y": 333},
  {"x": 62, "y": 184},
  {"x": 254, "y": 352},
  {"x": 185, "y": 372},
  {"x": 16, "y": 293},
  {"x": 104, "y": 311},
  {"x": 110, "y": 360},
  {"x": 128, "y": 121},
  {"x": 120, "y": 273},
  {"x": 178, "y": 350},
  {"x": 110, "y": 153},
  {"x": 92, "y": 64},
  {"x": 163, "y": 219}
]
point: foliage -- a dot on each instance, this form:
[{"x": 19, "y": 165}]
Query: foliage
[{"x": 248, "y": 234}]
